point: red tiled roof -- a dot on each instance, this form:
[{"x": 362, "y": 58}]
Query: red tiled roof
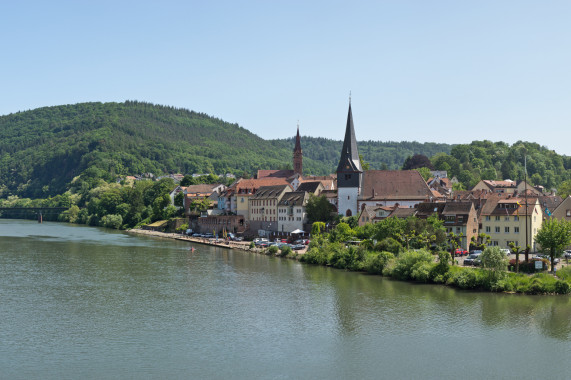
[
  {"x": 274, "y": 173},
  {"x": 403, "y": 212},
  {"x": 394, "y": 184},
  {"x": 253, "y": 184},
  {"x": 202, "y": 188}
]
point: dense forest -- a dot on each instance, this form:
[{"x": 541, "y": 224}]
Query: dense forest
[
  {"x": 43, "y": 150},
  {"x": 498, "y": 160}
]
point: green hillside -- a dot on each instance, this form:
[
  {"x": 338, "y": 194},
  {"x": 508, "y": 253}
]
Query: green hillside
[{"x": 42, "y": 150}]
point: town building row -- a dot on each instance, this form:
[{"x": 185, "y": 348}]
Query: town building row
[{"x": 274, "y": 201}]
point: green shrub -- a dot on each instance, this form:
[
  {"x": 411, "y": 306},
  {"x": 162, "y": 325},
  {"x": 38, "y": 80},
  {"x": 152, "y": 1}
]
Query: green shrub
[
  {"x": 562, "y": 287},
  {"x": 273, "y": 250},
  {"x": 389, "y": 267},
  {"x": 345, "y": 258},
  {"x": 112, "y": 221},
  {"x": 375, "y": 262},
  {"x": 421, "y": 271},
  {"x": 437, "y": 272},
  {"x": 389, "y": 245},
  {"x": 286, "y": 250},
  {"x": 252, "y": 245},
  {"x": 565, "y": 273},
  {"x": 405, "y": 263},
  {"x": 315, "y": 256},
  {"x": 542, "y": 283},
  {"x": 467, "y": 278}
]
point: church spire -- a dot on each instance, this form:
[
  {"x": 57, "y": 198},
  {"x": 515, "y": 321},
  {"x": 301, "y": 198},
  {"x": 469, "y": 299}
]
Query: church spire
[
  {"x": 349, "y": 161},
  {"x": 297, "y": 141},
  {"x": 298, "y": 154}
]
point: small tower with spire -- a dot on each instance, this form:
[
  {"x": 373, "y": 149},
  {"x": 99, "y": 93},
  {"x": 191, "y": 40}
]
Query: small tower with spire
[
  {"x": 297, "y": 154},
  {"x": 349, "y": 171}
]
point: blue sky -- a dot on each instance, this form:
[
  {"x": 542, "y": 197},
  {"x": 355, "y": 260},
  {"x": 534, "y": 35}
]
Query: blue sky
[{"x": 438, "y": 71}]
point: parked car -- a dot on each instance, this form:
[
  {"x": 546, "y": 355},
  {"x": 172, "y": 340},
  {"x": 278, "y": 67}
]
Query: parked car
[
  {"x": 297, "y": 247},
  {"x": 548, "y": 258},
  {"x": 460, "y": 252},
  {"x": 506, "y": 251},
  {"x": 473, "y": 259},
  {"x": 567, "y": 254},
  {"x": 259, "y": 241}
]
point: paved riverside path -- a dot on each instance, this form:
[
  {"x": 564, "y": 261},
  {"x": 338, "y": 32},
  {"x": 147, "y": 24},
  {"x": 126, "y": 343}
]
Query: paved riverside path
[{"x": 243, "y": 245}]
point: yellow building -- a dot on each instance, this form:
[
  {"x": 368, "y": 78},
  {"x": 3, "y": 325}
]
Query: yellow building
[{"x": 506, "y": 219}]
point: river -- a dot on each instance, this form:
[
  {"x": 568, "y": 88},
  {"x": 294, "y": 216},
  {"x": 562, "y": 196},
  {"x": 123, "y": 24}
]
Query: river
[{"x": 83, "y": 302}]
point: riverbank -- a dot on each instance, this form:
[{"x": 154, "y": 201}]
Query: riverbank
[
  {"x": 241, "y": 245},
  {"x": 410, "y": 266}
]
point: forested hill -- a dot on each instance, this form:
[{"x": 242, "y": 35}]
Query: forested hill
[{"x": 42, "y": 150}]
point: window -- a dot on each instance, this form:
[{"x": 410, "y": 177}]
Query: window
[
  {"x": 497, "y": 217},
  {"x": 495, "y": 243},
  {"x": 507, "y": 230},
  {"x": 568, "y": 213},
  {"x": 488, "y": 229},
  {"x": 487, "y": 218},
  {"x": 348, "y": 197},
  {"x": 347, "y": 177},
  {"x": 516, "y": 218},
  {"x": 497, "y": 229},
  {"x": 507, "y": 218},
  {"x": 241, "y": 200},
  {"x": 516, "y": 230}
]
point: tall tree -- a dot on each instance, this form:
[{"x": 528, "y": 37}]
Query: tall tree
[
  {"x": 417, "y": 161},
  {"x": 553, "y": 236},
  {"x": 318, "y": 209}
]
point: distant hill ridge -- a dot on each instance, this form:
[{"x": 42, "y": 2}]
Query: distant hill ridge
[{"x": 42, "y": 150}]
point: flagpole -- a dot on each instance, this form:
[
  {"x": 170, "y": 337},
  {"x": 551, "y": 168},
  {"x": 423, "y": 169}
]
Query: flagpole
[{"x": 526, "y": 214}]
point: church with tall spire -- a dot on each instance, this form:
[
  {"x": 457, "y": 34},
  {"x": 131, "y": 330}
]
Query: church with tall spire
[
  {"x": 349, "y": 171},
  {"x": 297, "y": 155}
]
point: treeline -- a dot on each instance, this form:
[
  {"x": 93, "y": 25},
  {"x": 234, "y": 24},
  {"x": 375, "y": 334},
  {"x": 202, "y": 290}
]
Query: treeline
[
  {"x": 94, "y": 202},
  {"x": 470, "y": 163},
  {"x": 379, "y": 155}
]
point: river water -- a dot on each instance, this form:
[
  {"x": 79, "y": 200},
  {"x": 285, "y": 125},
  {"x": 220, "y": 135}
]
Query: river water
[{"x": 82, "y": 302}]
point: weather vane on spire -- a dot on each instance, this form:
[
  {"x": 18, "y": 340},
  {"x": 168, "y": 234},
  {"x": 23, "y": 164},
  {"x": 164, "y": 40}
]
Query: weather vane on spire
[{"x": 349, "y": 96}]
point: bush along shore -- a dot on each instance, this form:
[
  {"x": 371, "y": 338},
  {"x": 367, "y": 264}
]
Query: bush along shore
[
  {"x": 426, "y": 267},
  {"x": 401, "y": 253}
]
